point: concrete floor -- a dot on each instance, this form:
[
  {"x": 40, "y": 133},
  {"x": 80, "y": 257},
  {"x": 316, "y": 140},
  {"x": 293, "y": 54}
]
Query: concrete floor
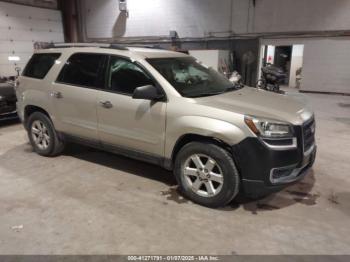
[{"x": 92, "y": 202}]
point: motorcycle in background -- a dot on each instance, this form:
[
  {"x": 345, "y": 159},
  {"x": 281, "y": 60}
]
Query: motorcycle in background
[{"x": 271, "y": 78}]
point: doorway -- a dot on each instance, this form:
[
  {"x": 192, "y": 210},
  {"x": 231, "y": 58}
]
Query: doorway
[{"x": 287, "y": 57}]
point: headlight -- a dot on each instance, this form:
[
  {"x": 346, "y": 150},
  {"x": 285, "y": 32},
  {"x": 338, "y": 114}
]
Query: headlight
[
  {"x": 269, "y": 128},
  {"x": 2, "y": 98}
]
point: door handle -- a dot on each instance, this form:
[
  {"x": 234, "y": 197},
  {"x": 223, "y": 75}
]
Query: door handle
[
  {"x": 56, "y": 94},
  {"x": 106, "y": 104}
]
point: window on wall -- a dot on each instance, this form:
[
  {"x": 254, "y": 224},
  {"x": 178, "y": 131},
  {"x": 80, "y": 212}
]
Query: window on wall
[
  {"x": 125, "y": 76},
  {"x": 40, "y": 64},
  {"x": 83, "y": 69}
]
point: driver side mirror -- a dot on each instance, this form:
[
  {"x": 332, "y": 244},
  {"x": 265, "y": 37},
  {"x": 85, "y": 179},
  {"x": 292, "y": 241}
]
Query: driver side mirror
[{"x": 147, "y": 92}]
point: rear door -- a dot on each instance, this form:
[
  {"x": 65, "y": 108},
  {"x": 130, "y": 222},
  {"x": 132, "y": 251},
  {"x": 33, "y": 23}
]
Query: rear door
[{"x": 74, "y": 95}]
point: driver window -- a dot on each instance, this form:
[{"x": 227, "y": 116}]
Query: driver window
[{"x": 125, "y": 76}]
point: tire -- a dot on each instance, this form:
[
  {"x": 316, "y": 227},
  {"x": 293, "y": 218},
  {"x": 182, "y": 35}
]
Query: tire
[
  {"x": 40, "y": 127},
  {"x": 276, "y": 88},
  {"x": 261, "y": 84},
  {"x": 203, "y": 187}
]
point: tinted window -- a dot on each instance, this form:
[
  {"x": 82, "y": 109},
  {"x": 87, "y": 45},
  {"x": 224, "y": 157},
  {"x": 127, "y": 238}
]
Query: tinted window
[
  {"x": 125, "y": 76},
  {"x": 40, "y": 64},
  {"x": 83, "y": 70}
]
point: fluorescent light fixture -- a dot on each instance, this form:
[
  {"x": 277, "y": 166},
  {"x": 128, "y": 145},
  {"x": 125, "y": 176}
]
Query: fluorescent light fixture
[{"x": 14, "y": 58}]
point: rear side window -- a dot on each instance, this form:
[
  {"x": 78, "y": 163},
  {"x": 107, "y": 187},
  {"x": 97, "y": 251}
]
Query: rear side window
[
  {"x": 40, "y": 64},
  {"x": 83, "y": 69}
]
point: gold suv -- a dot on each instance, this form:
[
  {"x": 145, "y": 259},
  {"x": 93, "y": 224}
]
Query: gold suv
[{"x": 168, "y": 109}]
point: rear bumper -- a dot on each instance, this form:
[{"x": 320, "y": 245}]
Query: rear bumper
[{"x": 264, "y": 170}]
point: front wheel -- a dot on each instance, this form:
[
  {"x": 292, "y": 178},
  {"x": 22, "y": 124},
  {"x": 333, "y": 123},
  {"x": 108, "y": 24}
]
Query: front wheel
[{"x": 206, "y": 174}]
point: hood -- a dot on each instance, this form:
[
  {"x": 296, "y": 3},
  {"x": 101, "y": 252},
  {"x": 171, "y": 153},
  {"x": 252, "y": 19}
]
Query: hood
[{"x": 260, "y": 103}]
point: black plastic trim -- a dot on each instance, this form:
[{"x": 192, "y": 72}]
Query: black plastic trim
[{"x": 255, "y": 161}]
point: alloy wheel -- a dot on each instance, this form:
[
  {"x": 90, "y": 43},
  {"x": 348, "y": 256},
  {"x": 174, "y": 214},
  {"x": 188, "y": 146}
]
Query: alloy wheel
[
  {"x": 40, "y": 135},
  {"x": 203, "y": 175}
]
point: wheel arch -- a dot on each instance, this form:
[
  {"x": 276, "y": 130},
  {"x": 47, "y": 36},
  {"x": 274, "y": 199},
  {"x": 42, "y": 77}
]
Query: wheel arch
[
  {"x": 30, "y": 109},
  {"x": 191, "y": 137}
]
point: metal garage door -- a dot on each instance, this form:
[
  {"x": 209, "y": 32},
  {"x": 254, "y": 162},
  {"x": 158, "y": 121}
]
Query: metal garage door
[
  {"x": 326, "y": 63},
  {"x": 20, "y": 27}
]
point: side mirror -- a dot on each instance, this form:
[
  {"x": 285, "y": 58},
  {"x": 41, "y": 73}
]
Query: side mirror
[{"x": 148, "y": 92}]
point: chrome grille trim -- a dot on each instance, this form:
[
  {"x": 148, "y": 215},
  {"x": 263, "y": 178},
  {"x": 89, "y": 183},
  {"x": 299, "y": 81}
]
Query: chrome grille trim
[{"x": 308, "y": 134}]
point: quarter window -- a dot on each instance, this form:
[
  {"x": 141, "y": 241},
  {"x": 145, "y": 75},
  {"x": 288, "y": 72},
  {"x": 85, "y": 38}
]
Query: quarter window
[
  {"x": 40, "y": 64},
  {"x": 125, "y": 76},
  {"x": 83, "y": 69}
]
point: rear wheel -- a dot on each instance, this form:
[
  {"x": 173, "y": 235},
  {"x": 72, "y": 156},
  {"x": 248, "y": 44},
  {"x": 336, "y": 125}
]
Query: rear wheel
[
  {"x": 206, "y": 174},
  {"x": 42, "y": 135},
  {"x": 276, "y": 88}
]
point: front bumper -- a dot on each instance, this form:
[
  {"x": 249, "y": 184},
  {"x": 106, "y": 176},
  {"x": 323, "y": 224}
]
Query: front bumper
[{"x": 264, "y": 170}]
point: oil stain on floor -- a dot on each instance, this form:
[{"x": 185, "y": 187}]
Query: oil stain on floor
[{"x": 173, "y": 194}]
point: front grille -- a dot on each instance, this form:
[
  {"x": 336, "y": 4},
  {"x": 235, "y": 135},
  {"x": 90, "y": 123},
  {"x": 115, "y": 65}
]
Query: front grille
[{"x": 308, "y": 134}]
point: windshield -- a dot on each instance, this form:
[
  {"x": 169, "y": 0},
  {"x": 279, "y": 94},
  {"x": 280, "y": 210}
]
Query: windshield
[{"x": 190, "y": 78}]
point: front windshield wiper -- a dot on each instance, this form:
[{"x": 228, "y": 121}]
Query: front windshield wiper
[
  {"x": 206, "y": 94},
  {"x": 234, "y": 87},
  {"x": 228, "y": 89}
]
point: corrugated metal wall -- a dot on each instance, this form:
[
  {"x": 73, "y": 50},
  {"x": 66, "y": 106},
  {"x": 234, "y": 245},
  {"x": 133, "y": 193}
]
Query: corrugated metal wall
[{"x": 20, "y": 27}]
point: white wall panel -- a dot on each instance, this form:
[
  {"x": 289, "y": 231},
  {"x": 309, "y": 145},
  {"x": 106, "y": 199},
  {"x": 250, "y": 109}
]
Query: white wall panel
[
  {"x": 301, "y": 15},
  {"x": 52, "y": 4},
  {"x": 20, "y": 27},
  {"x": 326, "y": 65}
]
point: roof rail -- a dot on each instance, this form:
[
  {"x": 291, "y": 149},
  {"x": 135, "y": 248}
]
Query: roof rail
[
  {"x": 146, "y": 46},
  {"x": 101, "y": 45}
]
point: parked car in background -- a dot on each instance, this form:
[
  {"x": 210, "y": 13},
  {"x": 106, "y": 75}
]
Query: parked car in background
[
  {"x": 7, "y": 101},
  {"x": 164, "y": 107}
]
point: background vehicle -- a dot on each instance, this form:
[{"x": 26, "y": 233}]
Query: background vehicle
[
  {"x": 271, "y": 78},
  {"x": 167, "y": 109},
  {"x": 7, "y": 101}
]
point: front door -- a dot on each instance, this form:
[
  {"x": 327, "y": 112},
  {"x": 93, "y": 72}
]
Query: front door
[{"x": 127, "y": 123}]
